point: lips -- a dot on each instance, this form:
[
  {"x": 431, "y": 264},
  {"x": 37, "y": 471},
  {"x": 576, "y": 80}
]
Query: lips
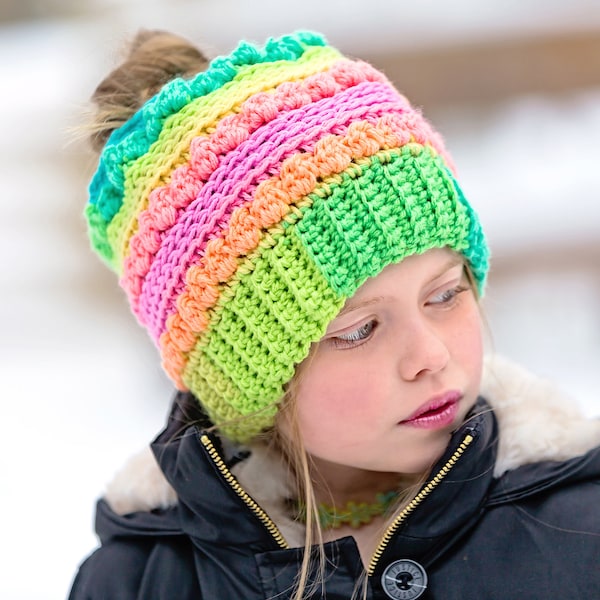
[{"x": 436, "y": 413}]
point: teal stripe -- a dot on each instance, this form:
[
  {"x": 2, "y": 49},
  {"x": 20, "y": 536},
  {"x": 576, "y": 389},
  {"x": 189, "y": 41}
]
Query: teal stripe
[{"x": 477, "y": 251}]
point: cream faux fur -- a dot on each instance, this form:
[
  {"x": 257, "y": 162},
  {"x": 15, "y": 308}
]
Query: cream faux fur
[
  {"x": 270, "y": 492},
  {"x": 140, "y": 485},
  {"x": 536, "y": 421}
]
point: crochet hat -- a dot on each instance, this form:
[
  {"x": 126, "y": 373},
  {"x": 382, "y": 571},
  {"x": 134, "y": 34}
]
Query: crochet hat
[{"x": 242, "y": 208}]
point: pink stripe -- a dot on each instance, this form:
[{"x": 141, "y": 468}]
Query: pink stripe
[
  {"x": 232, "y": 184},
  {"x": 166, "y": 203}
]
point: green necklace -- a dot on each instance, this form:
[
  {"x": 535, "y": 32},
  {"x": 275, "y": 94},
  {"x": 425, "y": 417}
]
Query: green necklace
[{"x": 355, "y": 514}]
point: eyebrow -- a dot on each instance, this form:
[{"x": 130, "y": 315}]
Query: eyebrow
[
  {"x": 348, "y": 309},
  {"x": 452, "y": 262}
]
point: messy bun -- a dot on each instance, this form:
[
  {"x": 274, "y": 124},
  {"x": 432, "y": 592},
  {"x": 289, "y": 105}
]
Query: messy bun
[{"x": 155, "y": 57}]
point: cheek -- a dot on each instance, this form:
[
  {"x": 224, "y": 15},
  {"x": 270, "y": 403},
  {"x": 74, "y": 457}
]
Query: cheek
[
  {"x": 468, "y": 340},
  {"x": 328, "y": 395}
]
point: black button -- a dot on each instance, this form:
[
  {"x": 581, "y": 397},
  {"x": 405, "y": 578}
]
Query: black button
[{"x": 404, "y": 580}]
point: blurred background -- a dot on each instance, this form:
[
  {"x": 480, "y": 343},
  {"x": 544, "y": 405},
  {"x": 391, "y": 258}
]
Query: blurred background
[{"x": 514, "y": 85}]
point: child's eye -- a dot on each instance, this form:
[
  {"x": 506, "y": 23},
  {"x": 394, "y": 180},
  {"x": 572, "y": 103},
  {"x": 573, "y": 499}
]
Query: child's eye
[
  {"x": 447, "y": 296},
  {"x": 355, "y": 337}
]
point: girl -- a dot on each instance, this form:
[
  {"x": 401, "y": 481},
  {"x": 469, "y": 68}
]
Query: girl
[{"x": 290, "y": 231}]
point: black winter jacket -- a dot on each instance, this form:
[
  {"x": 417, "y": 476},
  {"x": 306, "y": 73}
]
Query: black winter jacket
[{"x": 531, "y": 532}]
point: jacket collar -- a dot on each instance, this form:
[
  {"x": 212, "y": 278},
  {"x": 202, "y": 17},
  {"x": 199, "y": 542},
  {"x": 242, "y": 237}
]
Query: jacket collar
[
  {"x": 210, "y": 499},
  {"x": 535, "y": 421}
]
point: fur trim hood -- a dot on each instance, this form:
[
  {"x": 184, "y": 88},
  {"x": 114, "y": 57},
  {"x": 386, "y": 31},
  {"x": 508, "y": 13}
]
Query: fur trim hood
[{"x": 537, "y": 422}]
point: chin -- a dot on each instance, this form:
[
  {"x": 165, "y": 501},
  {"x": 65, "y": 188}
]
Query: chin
[{"x": 429, "y": 456}]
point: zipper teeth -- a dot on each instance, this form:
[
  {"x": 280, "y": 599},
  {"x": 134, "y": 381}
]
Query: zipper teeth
[
  {"x": 239, "y": 490},
  {"x": 410, "y": 507}
]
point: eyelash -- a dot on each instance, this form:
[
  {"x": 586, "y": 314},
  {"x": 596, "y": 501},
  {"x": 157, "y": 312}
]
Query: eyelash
[
  {"x": 448, "y": 296},
  {"x": 355, "y": 337}
]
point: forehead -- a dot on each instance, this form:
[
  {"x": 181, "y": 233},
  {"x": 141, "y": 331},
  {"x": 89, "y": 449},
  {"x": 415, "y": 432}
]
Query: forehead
[{"x": 417, "y": 270}]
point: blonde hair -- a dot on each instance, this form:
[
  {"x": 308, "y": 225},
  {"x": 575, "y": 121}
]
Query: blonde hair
[{"x": 291, "y": 447}]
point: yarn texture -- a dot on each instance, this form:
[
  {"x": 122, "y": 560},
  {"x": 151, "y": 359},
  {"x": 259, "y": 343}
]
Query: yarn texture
[{"x": 241, "y": 208}]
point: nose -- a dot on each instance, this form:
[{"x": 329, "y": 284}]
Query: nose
[{"x": 423, "y": 350}]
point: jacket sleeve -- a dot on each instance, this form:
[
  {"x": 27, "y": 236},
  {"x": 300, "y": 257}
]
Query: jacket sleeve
[
  {"x": 134, "y": 570},
  {"x": 114, "y": 571}
]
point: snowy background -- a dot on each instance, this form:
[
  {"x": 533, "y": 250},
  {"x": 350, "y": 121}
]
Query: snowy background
[{"x": 81, "y": 384}]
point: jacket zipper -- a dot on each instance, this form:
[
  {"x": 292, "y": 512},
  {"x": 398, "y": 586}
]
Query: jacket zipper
[
  {"x": 239, "y": 490},
  {"x": 412, "y": 505}
]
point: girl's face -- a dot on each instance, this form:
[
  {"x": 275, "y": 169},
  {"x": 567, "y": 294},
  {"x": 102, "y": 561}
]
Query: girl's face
[{"x": 396, "y": 371}]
